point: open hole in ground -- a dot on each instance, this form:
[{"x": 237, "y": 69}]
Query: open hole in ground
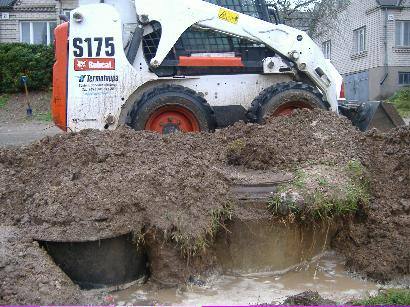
[{"x": 99, "y": 264}]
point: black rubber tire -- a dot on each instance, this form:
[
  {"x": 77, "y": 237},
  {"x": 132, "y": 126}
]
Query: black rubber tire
[
  {"x": 165, "y": 95},
  {"x": 277, "y": 95}
]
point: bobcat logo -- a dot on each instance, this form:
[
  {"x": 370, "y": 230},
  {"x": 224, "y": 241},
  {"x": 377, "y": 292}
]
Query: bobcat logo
[{"x": 81, "y": 64}]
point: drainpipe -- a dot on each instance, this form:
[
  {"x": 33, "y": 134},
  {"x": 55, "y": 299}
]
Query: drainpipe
[{"x": 386, "y": 54}]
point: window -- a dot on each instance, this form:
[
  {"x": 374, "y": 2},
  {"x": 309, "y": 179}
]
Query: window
[
  {"x": 403, "y": 33},
  {"x": 327, "y": 49},
  {"x": 359, "y": 40},
  {"x": 404, "y": 78},
  {"x": 37, "y": 32},
  {"x": 67, "y": 13}
]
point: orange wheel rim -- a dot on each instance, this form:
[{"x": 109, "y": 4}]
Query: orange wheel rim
[
  {"x": 288, "y": 108},
  {"x": 170, "y": 119}
]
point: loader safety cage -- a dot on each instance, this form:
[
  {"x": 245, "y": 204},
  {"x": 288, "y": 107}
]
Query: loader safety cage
[{"x": 207, "y": 41}]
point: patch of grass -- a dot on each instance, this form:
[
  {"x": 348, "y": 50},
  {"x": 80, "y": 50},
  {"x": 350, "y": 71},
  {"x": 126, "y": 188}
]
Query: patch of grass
[
  {"x": 3, "y": 100},
  {"x": 326, "y": 199},
  {"x": 281, "y": 203},
  {"x": 237, "y": 145},
  {"x": 322, "y": 182},
  {"x": 234, "y": 151},
  {"x": 327, "y": 207},
  {"x": 191, "y": 246},
  {"x": 401, "y": 99},
  {"x": 276, "y": 201},
  {"x": 43, "y": 117},
  {"x": 355, "y": 168},
  {"x": 300, "y": 179},
  {"x": 392, "y": 297},
  {"x": 217, "y": 218}
]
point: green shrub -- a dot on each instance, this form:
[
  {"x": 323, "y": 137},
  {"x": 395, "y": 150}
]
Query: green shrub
[
  {"x": 402, "y": 101},
  {"x": 34, "y": 61}
]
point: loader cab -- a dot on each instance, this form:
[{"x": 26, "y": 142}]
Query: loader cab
[{"x": 197, "y": 42}]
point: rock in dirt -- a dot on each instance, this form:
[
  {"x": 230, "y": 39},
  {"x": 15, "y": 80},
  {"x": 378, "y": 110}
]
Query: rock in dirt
[{"x": 308, "y": 298}]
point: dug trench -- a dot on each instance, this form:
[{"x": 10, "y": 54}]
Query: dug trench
[{"x": 192, "y": 205}]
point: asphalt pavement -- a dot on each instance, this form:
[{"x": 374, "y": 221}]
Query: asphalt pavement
[{"x": 25, "y": 133}]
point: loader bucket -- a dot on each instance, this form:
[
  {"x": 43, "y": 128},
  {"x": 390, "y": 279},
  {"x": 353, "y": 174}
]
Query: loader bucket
[{"x": 373, "y": 114}]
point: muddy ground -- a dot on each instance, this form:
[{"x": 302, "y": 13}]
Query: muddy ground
[
  {"x": 16, "y": 128},
  {"x": 15, "y": 110},
  {"x": 174, "y": 192}
]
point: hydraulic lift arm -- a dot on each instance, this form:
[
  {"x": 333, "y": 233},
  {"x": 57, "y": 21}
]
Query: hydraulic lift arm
[{"x": 176, "y": 16}]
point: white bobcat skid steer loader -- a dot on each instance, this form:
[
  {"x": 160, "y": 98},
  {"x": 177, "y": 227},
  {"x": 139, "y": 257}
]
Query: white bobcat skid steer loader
[{"x": 184, "y": 65}]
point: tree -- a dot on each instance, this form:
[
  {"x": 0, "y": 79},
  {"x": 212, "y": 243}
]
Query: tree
[{"x": 314, "y": 16}]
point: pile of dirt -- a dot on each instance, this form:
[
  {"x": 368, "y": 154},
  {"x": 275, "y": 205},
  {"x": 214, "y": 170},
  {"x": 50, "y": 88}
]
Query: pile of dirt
[
  {"x": 29, "y": 276},
  {"x": 176, "y": 189},
  {"x": 92, "y": 185},
  {"x": 377, "y": 241},
  {"x": 307, "y": 137}
]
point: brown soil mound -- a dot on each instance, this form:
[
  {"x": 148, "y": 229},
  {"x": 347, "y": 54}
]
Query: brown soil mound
[
  {"x": 28, "y": 276},
  {"x": 377, "y": 242},
  {"x": 93, "y": 185},
  {"x": 311, "y": 137}
]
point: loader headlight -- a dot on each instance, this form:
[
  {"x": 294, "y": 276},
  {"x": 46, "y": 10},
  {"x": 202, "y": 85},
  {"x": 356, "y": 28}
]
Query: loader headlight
[{"x": 77, "y": 17}]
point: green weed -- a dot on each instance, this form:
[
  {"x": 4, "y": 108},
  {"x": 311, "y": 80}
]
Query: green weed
[
  {"x": 237, "y": 145},
  {"x": 300, "y": 179},
  {"x": 219, "y": 215},
  {"x": 3, "y": 100},
  {"x": 354, "y": 167},
  {"x": 392, "y": 297},
  {"x": 322, "y": 182},
  {"x": 43, "y": 117}
]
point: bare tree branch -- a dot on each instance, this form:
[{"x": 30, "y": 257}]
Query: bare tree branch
[{"x": 315, "y": 16}]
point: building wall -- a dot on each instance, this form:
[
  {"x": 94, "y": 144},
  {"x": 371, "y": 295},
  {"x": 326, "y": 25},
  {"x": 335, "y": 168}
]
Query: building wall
[
  {"x": 9, "y": 29},
  {"x": 372, "y": 62},
  {"x": 26, "y": 10},
  {"x": 68, "y": 4},
  {"x": 390, "y": 84},
  {"x": 360, "y": 13},
  {"x": 397, "y": 56},
  {"x": 398, "y": 59}
]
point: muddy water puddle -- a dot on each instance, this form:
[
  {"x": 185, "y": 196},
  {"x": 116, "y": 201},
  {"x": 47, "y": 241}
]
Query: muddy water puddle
[{"x": 325, "y": 274}]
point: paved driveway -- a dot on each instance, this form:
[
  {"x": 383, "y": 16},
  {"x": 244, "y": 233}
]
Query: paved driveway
[{"x": 25, "y": 133}]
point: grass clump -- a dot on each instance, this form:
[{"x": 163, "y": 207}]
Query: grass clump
[
  {"x": 3, "y": 100},
  {"x": 392, "y": 297},
  {"x": 43, "y": 117},
  {"x": 300, "y": 179},
  {"x": 234, "y": 151},
  {"x": 322, "y": 192},
  {"x": 192, "y": 246},
  {"x": 284, "y": 203},
  {"x": 401, "y": 99}
]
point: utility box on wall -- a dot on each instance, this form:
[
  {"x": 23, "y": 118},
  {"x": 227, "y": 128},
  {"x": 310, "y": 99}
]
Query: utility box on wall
[{"x": 4, "y": 16}]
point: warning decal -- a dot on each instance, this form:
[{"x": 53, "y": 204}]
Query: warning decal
[{"x": 228, "y": 16}]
